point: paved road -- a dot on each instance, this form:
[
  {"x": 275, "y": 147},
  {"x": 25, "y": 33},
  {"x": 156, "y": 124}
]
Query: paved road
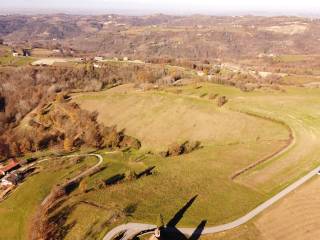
[
  {"x": 136, "y": 227},
  {"x": 89, "y": 170},
  {"x": 85, "y": 173}
]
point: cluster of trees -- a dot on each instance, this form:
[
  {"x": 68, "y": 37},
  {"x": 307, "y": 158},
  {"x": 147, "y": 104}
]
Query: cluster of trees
[
  {"x": 22, "y": 89},
  {"x": 176, "y": 149},
  {"x": 203, "y": 65},
  {"x": 65, "y": 125}
]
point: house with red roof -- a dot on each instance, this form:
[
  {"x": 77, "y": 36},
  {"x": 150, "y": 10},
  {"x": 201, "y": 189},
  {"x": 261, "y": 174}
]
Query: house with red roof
[{"x": 12, "y": 165}]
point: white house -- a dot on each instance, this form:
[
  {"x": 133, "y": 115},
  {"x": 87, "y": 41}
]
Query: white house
[
  {"x": 6, "y": 183},
  {"x": 98, "y": 59},
  {"x": 200, "y": 73}
]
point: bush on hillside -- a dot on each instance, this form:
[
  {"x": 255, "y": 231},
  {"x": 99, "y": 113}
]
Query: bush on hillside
[
  {"x": 176, "y": 149},
  {"x": 222, "y": 100}
]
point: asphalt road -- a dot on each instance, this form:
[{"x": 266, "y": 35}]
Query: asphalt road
[
  {"x": 133, "y": 228},
  {"x": 84, "y": 173}
]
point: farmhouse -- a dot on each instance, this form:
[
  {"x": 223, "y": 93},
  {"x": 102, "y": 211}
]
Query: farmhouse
[
  {"x": 26, "y": 52},
  {"x": 12, "y": 179},
  {"x": 15, "y": 53},
  {"x": 56, "y": 51},
  {"x": 13, "y": 164},
  {"x": 200, "y": 73},
  {"x": 98, "y": 59}
]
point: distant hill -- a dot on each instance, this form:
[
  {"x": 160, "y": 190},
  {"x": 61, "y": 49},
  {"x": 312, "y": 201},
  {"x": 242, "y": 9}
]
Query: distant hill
[{"x": 160, "y": 35}]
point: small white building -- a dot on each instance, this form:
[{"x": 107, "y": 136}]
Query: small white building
[
  {"x": 6, "y": 183},
  {"x": 15, "y": 54},
  {"x": 98, "y": 59},
  {"x": 125, "y": 59},
  {"x": 138, "y": 61},
  {"x": 200, "y": 73}
]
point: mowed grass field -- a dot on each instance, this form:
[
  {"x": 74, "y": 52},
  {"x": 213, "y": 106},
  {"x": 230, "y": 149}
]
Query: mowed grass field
[
  {"x": 231, "y": 141},
  {"x": 294, "y": 218},
  {"x": 299, "y": 109},
  {"x": 159, "y": 119}
]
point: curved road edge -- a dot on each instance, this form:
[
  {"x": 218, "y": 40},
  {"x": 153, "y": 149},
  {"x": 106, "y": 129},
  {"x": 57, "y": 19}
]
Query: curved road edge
[
  {"x": 86, "y": 172},
  {"x": 138, "y": 227}
]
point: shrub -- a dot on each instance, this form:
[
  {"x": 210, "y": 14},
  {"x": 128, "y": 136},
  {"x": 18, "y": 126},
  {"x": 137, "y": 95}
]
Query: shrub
[
  {"x": 213, "y": 96},
  {"x": 222, "y": 100}
]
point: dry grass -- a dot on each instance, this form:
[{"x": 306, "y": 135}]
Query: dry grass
[
  {"x": 41, "y": 52},
  {"x": 287, "y": 29},
  {"x": 303, "y": 155},
  {"x": 296, "y": 217},
  {"x": 231, "y": 140},
  {"x": 160, "y": 119}
]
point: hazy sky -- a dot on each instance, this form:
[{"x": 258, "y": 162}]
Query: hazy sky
[{"x": 164, "y": 6}]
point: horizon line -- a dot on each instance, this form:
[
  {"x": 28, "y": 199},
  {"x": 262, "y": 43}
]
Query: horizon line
[{"x": 144, "y": 12}]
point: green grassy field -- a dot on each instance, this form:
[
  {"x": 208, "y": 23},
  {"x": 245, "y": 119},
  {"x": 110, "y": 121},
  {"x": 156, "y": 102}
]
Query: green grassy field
[
  {"x": 17, "y": 210},
  {"x": 231, "y": 141},
  {"x": 300, "y": 79},
  {"x": 15, "y": 61},
  {"x": 6, "y": 58},
  {"x": 218, "y": 196},
  {"x": 292, "y": 58}
]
